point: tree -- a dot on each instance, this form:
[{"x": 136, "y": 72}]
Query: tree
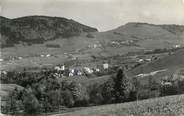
[
  {"x": 68, "y": 98},
  {"x": 14, "y": 103},
  {"x": 134, "y": 94},
  {"x": 79, "y": 93},
  {"x": 170, "y": 89},
  {"x": 89, "y": 35},
  {"x": 30, "y": 102},
  {"x": 121, "y": 87},
  {"x": 55, "y": 99},
  {"x": 107, "y": 91},
  {"x": 95, "y": 94}
]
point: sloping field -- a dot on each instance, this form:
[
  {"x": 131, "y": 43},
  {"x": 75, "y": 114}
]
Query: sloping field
[
  {"x": 170, "y": 63},
  {"x": 5, "y": 89},
  {"x": 147, "y": 36},
  {"x": 164, "y": 106}
]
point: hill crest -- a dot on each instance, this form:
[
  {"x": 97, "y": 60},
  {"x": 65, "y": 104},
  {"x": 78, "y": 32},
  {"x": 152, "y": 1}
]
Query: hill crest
[{"x": 39, "y": 29}]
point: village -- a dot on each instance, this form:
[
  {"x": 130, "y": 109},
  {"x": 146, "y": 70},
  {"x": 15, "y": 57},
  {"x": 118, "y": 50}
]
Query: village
[{"x": 75, "y": 66}]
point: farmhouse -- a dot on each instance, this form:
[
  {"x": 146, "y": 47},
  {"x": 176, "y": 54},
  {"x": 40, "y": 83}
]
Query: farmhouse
[
  {"x": 42, "y": 55},
  {"x": 105, "y": 65},
  {"x": 79, "y": 73},
  {"x": 140, "y": 60},
  {"x": 148, "y": 59},
  {"x": 88, "y": 70},
  {"x": 48, "y": 55},
  {"x": 114, "y": 43},
  {"x": 97, "y": 69},
  {"x": 3, "y": 72},
  {"x": 59, "y": 68},
  {"x": 166, "y": 83},
  {"x": 1, "y": 60},
  {"x": 71, "y": 74},
  {"x": 177, "y": 46},
  {"x": 20, "y": 58},
  {"x": 94, "y": 46}
]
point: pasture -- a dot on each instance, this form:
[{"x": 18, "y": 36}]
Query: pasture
[{"x": 164, "y": 106}]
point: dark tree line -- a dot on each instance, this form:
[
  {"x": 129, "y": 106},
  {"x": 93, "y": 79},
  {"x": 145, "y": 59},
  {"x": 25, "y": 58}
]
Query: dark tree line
[{"x": 43, "y": 93}]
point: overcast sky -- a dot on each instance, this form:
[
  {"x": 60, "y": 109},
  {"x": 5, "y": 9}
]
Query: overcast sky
[{"x": 102, "y": 14}]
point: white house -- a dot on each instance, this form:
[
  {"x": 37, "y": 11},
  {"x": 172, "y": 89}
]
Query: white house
[
  {"x": 105, "y": 65},
  {"x": 166, "y": 83},
  {"x": 63, "y": 67},
  {"x": 94, "y": 46},
  {"x": 140, "y": 60},
  {"x": 57, "y": 68},
  {"x": 115, "y": 43},
  {"x": 72, "y": 70},
  {"x": 20, "y": 58},
  {"x": 177, "y": 46},
  {"x": 97, "y": 70},
  {"x": 88, "y": 70},
  {"x": 3, "y": 72},
  {"x": 42, "y": 55},
  {"x": 79, "y": 73},
  {"x": 148, "y": 59},
  {"x": 48, "y": 55},
  {"x": 70, "y": 74},
  {"x": 1, "y": 59}
]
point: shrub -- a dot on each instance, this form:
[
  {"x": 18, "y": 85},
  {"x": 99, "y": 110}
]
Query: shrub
[
  {"x": 89, "y": 35},
  {"x": 181, "y": 86},
  {"x": 55, "y": 99},
  {"x": 96, "y": 95},
  {"x": 68, "y": 98},
  {"x": 169, "y": 89},
  {"x": 107, "y": 91},
  {"x": 52, "y": 45},
  {"x": 14, "y": 104}
]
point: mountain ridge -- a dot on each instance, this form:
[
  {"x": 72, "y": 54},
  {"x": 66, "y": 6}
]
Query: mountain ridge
[{"x": 39, "y": 29}]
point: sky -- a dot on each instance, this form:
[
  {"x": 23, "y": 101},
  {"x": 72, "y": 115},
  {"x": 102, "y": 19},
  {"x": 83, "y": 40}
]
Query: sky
[{"x": 102, "y": 14}]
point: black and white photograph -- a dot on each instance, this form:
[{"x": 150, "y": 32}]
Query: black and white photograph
[{"x": 92, "y": 57}]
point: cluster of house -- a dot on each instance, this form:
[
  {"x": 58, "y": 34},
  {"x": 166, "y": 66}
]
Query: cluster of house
[
  {"x": 127, "y": 42},
  {"x": 166, "y": 83},
  {"x": 144, "y": 60},
  {"x": 151, "y": 73},
  {"x": 12, "y": 58},
  {"x": 2, "y": 72},
  {"x": 61, "y": 70},
  {"x": 46, "y": 55},
  {"x": 94, "y": 45}
]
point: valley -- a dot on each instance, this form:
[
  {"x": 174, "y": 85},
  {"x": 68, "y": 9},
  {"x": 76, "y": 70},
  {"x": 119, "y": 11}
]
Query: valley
[{"x": 61, "y": 63}]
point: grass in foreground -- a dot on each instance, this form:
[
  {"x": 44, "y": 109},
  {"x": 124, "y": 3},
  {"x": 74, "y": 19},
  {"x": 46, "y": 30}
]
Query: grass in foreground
[{"x": 164, "y": 106}]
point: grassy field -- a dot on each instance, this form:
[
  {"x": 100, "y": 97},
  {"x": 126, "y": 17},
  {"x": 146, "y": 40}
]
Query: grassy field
[
  {"x": 164, "y": 106},
  {"x": 172, "y": 63},
  {"x": 5, "y": 89}
]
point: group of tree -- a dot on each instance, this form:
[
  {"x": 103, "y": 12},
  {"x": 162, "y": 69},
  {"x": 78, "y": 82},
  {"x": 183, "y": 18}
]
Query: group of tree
[{"x": 42, "y": 95}]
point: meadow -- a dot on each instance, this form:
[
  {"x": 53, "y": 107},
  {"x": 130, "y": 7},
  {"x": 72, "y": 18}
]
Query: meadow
[{"x": 164, "y": 106}]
